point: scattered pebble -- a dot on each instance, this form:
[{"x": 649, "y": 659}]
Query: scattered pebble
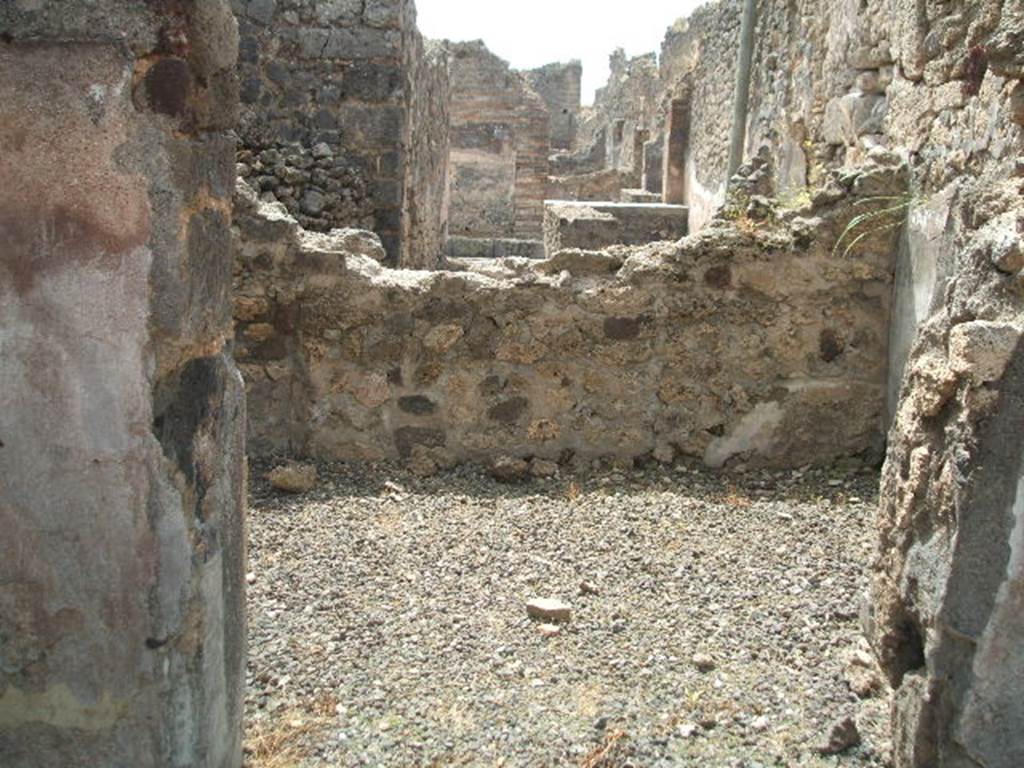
[
  {"x": 703, "y": 662},
  {"x": 843, "y": 735}
]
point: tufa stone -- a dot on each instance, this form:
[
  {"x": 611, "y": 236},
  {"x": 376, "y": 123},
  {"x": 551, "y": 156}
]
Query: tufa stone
[
  {"x": 548, "y": 609},
  {"x": 543, "y": 468},
  {"x": 509, "y": 470},
  {"x": 982, "y": 348},
  {"x": 843, "y": 735},
  {"x": 293, "y": 477}
]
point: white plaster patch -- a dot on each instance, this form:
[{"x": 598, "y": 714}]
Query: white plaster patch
[
  {"x": 703, "y": 202},
  {"x": 754, "y": 434}
]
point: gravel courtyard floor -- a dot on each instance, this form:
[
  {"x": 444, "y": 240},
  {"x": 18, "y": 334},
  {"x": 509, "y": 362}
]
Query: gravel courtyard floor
[{"x": 388, "y": 623}]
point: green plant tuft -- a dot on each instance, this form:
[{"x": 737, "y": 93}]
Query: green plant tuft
[{"x": 875, "y": 222}]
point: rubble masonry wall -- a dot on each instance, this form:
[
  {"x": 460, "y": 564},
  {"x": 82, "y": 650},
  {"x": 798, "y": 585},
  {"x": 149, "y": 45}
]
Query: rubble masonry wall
[
  {"x": 344, "y": 119},
  {"x": 748, "y": 344}
]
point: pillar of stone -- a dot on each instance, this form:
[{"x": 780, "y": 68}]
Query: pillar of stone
[{"x": 122, "y": 624}]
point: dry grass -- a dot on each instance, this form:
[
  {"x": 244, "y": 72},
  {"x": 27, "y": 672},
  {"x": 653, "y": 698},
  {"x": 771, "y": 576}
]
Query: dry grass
[
  {"x": 589, "y": 699},
  {"x": 735, "y": 498},
  {"x": 573, "y": 492},
  {"x": 283, "y": 742},
  {"x": 607, "y": 754}
]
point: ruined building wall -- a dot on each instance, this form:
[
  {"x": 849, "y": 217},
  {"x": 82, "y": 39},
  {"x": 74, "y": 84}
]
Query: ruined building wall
[
  {"x": 333, "y": 95},
  {"x": 427, "y": 139},
  {"x": 700, "y": 59},
  {"x": 122, "y": 617},
  {"x": 949, "y": 572},
  {"x": 750, "y": 344},
  {"x": 624, "y": 107},
  {"x": 806, "y": 54},
  {"x": 940, "y": 83},
  {"x": 833, "y": 81},
  {"x": 559, "y": 85},
  {"x": 499, "y": 148}
]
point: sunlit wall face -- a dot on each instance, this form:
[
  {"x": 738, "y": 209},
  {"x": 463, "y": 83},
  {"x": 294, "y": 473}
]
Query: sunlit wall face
[{"x": 530, "y": 33}]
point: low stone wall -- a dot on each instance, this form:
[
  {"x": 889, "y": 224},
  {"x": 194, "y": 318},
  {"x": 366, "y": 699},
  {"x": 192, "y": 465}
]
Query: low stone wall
[
  {"x": 493, "y": 248},
  {"x": 600, "y": 185},
  {"x": 598, "y": 225},
  {"x": 750, "y": 343}
]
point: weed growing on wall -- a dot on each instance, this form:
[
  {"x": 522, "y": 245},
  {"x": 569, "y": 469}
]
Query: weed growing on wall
[{"x": 889, "y": 212}]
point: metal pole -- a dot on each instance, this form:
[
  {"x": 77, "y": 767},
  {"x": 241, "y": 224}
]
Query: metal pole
[{"x": 742, "y": 99}]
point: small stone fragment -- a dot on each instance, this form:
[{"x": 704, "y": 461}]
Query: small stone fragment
[
  {"x": 842, "y": 736},
  {"x": 703, "y": 662},
  {"x": 508, "y": 470},
  {"x": 293, "y": 477},
  {"x": 760, "y": 724},
  {"x": 543, "y": 468},
  {"x": 862, "y": 675},
  {"x": 589, "y": 588},
  {"x": 549, "y": 630},
  {"x": 548, "y": 609},
  {"x": 688, "y": 730}
]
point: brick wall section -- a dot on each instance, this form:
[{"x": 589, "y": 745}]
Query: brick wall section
[
  {"x": 331, "y": 93},
  {"x": 560, "y": 87},
  {"x": 500, "y": 147}
]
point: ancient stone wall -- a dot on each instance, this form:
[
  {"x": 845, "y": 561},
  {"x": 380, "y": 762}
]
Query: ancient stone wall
[
  {"x": 343, "y": 118},
  {"x": 623, "y": 107},
  {"x": 600, "y": 185},
  {"x": 948, "y": 575},
  {"x": 499, "y": 148},
  {"x": 559, "y": 85},
  {"x": 752, "y": 343},
  {"x": 427, "y": 140},
  {"x": 122, "y": 617},
  {"x": 699, "y": 66},
  {"x": 595, "y": 225}
]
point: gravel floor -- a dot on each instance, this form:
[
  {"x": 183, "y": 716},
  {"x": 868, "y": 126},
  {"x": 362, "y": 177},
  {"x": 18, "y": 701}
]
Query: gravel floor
[{"x": 388, "y": 623}]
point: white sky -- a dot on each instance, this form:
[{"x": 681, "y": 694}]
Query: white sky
[{"x": 529, "y": 33}]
